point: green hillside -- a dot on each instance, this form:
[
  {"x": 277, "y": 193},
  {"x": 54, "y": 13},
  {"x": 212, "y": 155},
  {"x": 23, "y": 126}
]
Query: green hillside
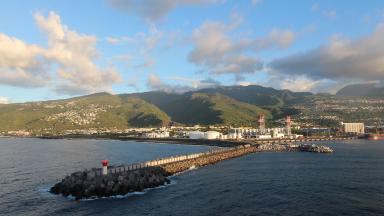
[
  {"x": 151, "y": 109},
  {"x": 93, "y": 111},
  {"x": 362, "y": 90},
  {"x": 204, "y": 108},
  {"x": 232, "y": 105},
  {"x": 231, "y": 111},
  {"x": 260, "y": 96}
]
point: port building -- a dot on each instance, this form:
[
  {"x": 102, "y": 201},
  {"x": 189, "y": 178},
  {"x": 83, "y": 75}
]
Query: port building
[
  {"x": 204, "y": 135},
  {"x": 354, "y": 128}
]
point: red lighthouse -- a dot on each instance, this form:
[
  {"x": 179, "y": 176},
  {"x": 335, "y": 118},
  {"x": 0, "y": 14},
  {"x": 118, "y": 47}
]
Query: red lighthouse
[{"x": 105, "y": 166}]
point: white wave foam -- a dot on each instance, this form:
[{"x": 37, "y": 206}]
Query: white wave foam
[
  {"x": 44, "y": 191},
  {"x": 187, "y": 170},
  {"x": 129, "y": 194}
]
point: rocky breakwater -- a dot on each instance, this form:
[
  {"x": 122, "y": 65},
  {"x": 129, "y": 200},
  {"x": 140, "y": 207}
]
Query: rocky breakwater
[
  {"x": 82, "y": 185},
  {"x": 314, "y": 148},
  {"x": 86, "y": 184},
  {"x": 209, "y": 159},
  {"x": 295, "y": 147},
  {"x": 89, "y": 184}
]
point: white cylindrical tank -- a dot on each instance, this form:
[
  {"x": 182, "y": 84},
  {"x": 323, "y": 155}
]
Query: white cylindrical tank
[
  {"x": 212, "y": 135},
  {"x": 196, "y": 135}
]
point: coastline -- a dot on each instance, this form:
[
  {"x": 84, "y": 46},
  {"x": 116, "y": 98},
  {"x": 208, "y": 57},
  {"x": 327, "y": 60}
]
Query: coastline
[
  {"x": 187, "y": 141},
  {"x": 205, "y": 142}
]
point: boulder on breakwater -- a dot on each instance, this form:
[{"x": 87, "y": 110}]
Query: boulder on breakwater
[
  {"x": 86, "y": 185},
  {"x": 315, "y": 148},
  {"x": 295, "y": 147},
  {"x": 208, "y": 159}
]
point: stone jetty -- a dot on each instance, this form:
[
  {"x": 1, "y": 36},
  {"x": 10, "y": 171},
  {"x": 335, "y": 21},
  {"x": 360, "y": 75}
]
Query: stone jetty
[
  {"x": 86, "y": 185},
  {"x": 295, "y": 147},
  {"x": 138, "y": 177}
]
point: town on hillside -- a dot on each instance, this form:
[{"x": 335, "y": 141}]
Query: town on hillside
[{"x": 289, "y": 129}]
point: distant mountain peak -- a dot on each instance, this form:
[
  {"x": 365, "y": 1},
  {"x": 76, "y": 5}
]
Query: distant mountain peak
[
  {"x": 361, "y": 90},
  {"x": 100, "y": 94}
]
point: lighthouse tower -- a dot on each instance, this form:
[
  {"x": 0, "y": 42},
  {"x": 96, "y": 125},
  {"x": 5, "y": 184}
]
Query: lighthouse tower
[{"x": 105, "y": 166}]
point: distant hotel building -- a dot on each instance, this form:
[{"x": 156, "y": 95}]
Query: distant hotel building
[{"x": 356, "y": 128}]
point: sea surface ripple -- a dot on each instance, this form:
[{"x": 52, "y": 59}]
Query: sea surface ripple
[{"x": 349, "y": 181}]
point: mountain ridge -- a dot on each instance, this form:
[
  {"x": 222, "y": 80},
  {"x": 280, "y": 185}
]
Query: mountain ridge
[
  {"x": 226, "y": 105},
  {"x": 361, "y": 90}
]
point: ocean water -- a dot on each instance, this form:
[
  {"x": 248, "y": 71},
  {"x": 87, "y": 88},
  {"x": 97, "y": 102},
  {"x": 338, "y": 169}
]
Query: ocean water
[{"x": 348, "y": 182}]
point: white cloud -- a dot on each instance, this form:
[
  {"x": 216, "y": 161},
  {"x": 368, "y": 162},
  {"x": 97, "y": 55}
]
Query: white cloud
[
  {"x": 73, "y": 55},
  {"x": 151, "y": 39},
  {"x": 4, "y": 100},
  {"x": 146, "y": 40},
  {"x": 331, "y": 14},
  {"x": 244, "y": 83},
  {"x": 215, "y": 51},
  {"x": 255, "y": 2},
  {"x": 113, "y": 40},
  {"x": 341, "y": 59},
  {"x": 120, "y": 40},
  {"x": 238, "y": 64},
  {"x": 21, "y": 64},
  {"x": 299, "y": 83},
  {"x": 276, "y": 39},
  {"x": 315, "y": 7},
  {"x": 196, "y": 84},
  {"x": 155, "y": 83},
  {"x": 148, "y": 63},
  {"x": 154, "y": 10},
  {"x": 123, "y": 57}
]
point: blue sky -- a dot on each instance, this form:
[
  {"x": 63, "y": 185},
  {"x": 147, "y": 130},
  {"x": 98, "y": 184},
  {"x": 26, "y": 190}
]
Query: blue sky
[{"x": 57, "y": 49}]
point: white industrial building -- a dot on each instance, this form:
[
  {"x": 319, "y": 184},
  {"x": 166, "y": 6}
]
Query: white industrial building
[
  {"x": 196, "y": 135},
  {"x": 263, "y": 133},
  {"x": 157, "y": 134},
  {"x": 204, "y": 135},
  {"x": 236, "y": 133},
  {"x": 356, "y": 128},
  {"x": 263, "y": 136},
  {"x": 249, "y": 133}
]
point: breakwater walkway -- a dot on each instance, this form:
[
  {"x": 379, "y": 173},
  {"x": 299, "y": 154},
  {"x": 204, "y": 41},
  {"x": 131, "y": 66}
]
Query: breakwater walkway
[{"x": 120, "y": 180}]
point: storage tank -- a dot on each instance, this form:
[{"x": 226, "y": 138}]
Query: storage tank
[
  {"x": 212, "y": 135},
  {"x": 196, "y": 135}
]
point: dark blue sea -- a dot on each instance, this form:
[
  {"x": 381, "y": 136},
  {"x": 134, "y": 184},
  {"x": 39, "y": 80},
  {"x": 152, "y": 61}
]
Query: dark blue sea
[{"x": 348, "y": 182}]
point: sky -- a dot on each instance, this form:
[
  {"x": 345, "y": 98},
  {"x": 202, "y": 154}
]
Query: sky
[{"x": 51, "y": 49}]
